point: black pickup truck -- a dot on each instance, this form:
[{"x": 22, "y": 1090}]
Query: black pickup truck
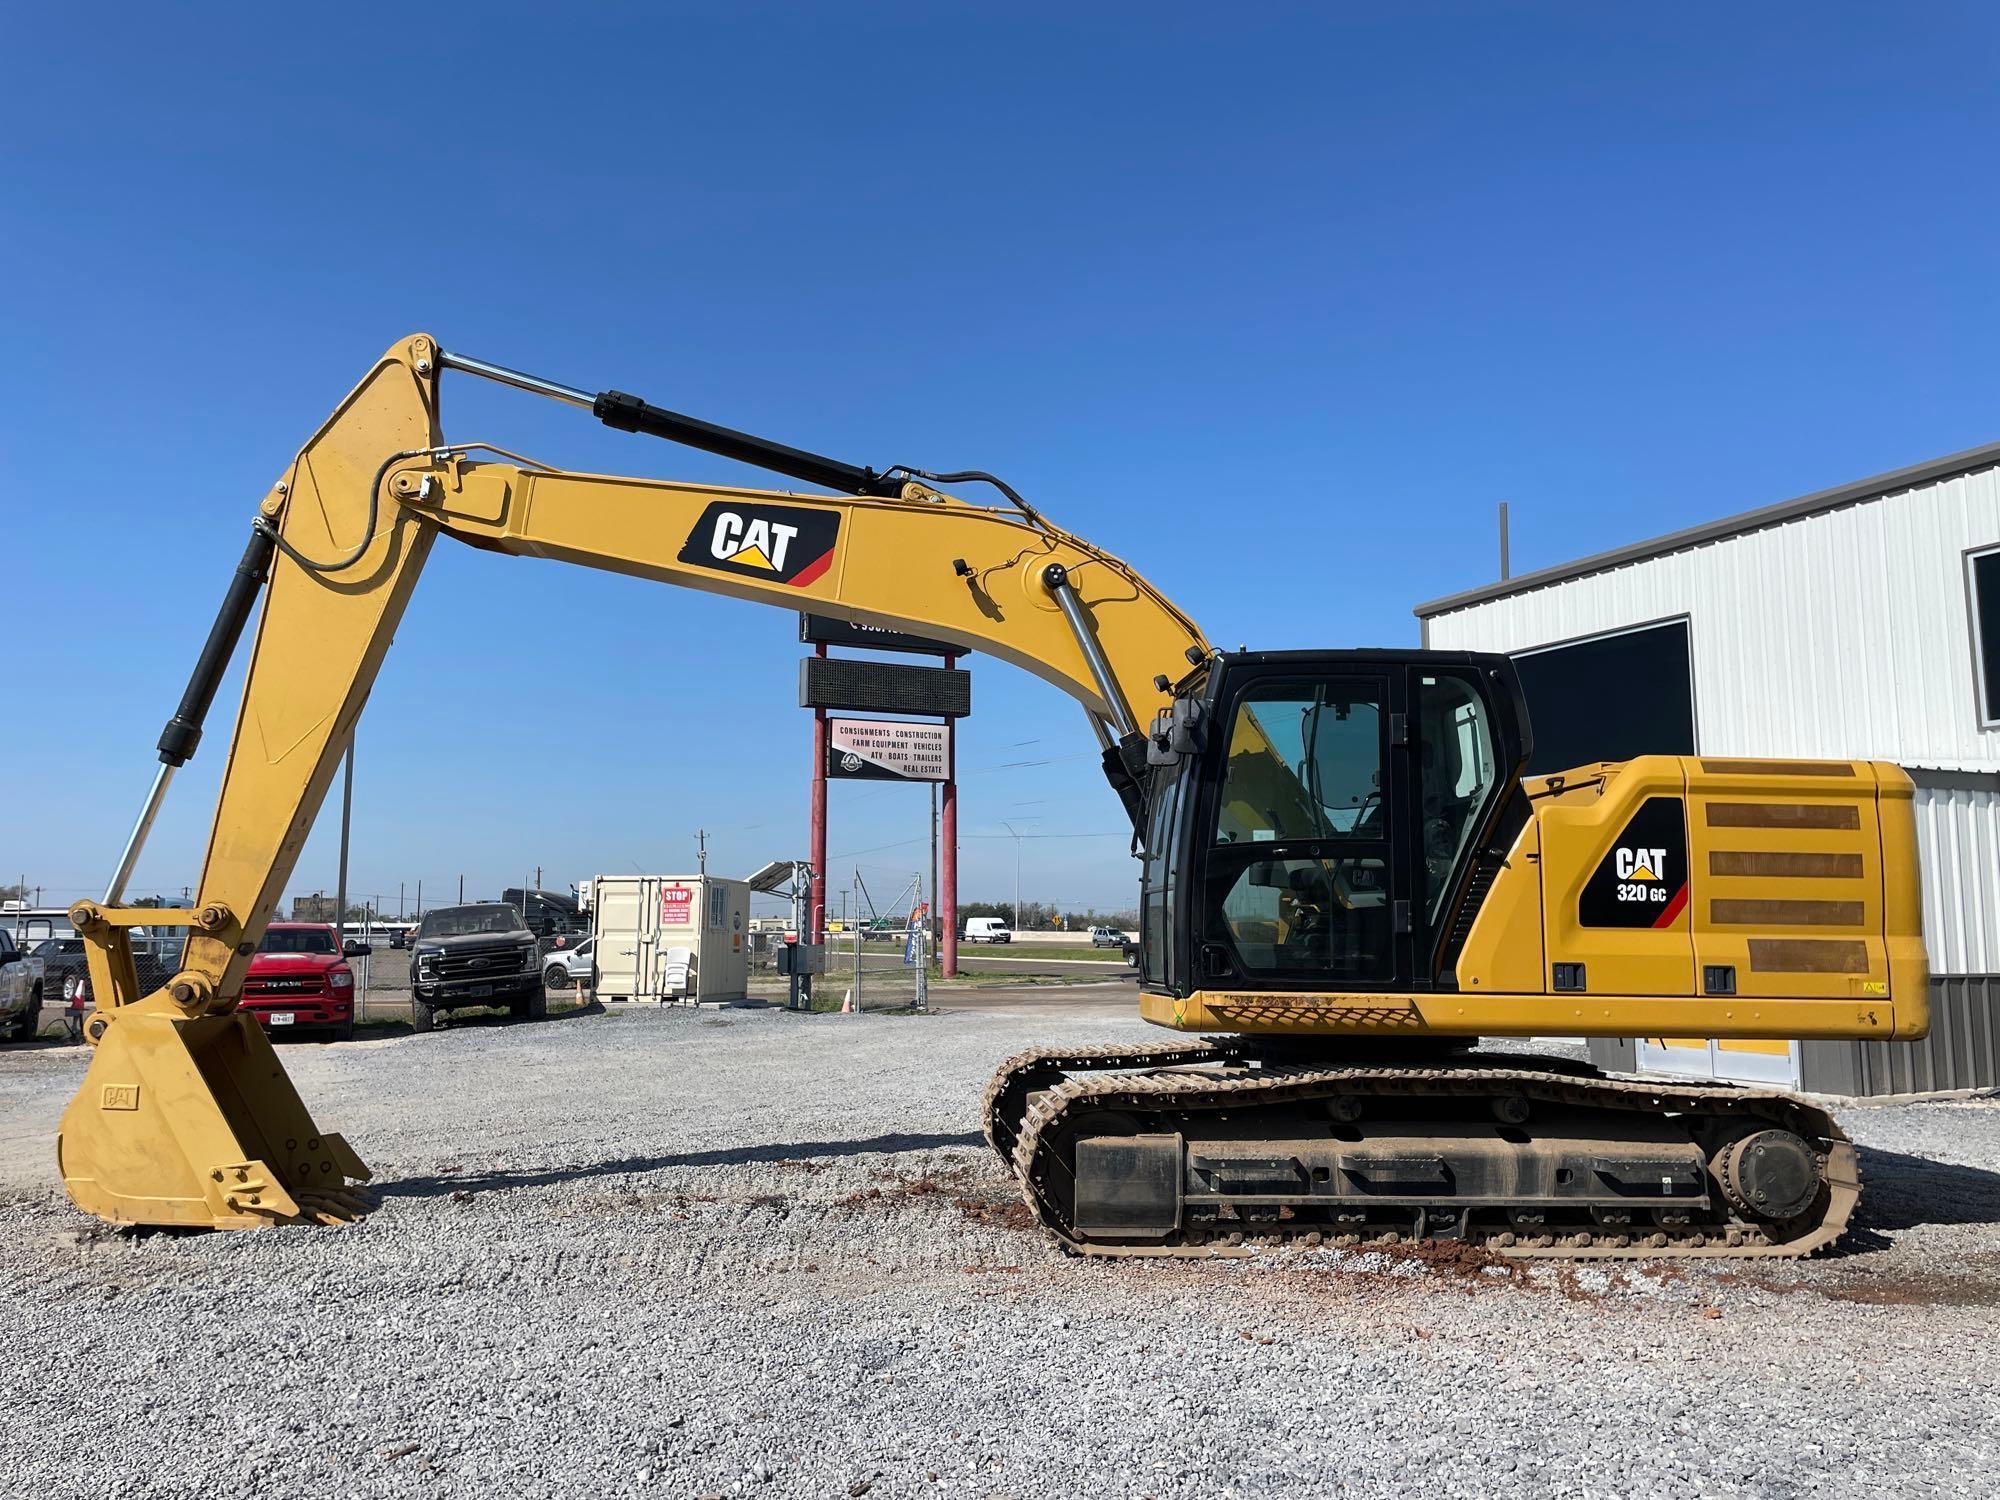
[{"x": 474, "y": 955}]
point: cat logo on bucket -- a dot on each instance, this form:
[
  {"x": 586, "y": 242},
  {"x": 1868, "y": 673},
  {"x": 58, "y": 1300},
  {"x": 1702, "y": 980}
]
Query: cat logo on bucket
[{"x": 786, "y": 544}]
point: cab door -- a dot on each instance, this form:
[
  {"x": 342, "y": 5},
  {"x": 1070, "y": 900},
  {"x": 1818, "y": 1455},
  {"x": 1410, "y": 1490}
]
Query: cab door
[{"x": 1301, "y": 834}]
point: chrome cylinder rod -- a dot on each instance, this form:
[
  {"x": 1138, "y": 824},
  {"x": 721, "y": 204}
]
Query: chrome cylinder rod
[
  {"x": 585, "y": 399},
  {"x": 1056, "y": 578},
  {"x": 115, "y": 892}
]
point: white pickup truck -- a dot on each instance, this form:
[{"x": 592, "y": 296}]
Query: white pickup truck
[
  {"x": 21, "y": 981},
  {"x": 563, "y": 967}
]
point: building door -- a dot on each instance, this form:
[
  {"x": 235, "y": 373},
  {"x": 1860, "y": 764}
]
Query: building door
[{"x": 1739, "y": 1060}]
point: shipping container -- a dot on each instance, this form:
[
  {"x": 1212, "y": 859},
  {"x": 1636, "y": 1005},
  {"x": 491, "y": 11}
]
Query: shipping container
[{"x": 678, "y": 938}]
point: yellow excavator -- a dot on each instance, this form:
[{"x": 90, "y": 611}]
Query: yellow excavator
[{"x": 1346, "y": 879}]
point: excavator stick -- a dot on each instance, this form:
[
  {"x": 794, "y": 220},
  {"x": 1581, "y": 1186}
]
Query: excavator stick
[{"x": 186, "y": 1116}]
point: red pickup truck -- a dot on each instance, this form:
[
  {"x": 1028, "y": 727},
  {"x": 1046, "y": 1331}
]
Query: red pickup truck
[{"x": 298, "y": 977}]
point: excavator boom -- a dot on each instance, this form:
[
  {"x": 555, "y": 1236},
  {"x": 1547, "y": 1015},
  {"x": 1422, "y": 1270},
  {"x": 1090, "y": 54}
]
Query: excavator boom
[{"x": 188, "y": 1117}]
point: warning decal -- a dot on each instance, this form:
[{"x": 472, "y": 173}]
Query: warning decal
[{"x": 676, "y": 906}]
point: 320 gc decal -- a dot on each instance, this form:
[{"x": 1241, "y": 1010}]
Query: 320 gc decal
[{"x": 1642, "y": 881}]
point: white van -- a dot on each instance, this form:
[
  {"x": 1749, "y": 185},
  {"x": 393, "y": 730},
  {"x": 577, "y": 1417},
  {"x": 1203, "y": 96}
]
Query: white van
[{"x": 988, "y": 930}]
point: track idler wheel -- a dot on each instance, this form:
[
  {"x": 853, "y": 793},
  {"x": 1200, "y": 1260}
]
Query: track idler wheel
[{"x": 1771, "y": 1176}]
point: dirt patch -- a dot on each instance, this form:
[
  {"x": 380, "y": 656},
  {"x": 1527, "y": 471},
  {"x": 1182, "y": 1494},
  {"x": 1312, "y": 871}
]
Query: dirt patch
[
  {"x": 996, "y": 1208},
  {"x": 1918, "y": 1291},
  {"x": 1940, "y": 1289},
  {"x": 996, "y": 1213},
  {"x": 896, "y": 1190},
  {"x": 1458, "y": 1258}
]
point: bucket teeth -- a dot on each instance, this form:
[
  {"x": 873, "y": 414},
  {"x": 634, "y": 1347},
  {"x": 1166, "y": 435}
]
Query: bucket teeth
[{"x": 335, "y": 1205}]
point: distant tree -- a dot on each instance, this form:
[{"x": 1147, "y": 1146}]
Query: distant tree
[{"x": 13, "y": 893}]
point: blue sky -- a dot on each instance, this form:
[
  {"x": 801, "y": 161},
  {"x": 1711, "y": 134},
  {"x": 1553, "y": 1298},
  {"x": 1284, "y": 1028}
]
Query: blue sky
[{"x": 1276, "y": 302}]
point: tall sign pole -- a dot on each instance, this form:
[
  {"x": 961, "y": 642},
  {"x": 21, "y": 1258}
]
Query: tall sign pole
[
  {"x": 892, "y": 750},
  {"x": 816, "y": 911},
  {"x": 948, "y": 839}
]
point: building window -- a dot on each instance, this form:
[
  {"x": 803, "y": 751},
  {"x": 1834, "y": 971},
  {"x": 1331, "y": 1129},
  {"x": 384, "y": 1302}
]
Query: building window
[
  {"x": 1612, "y": 697},
  {"x": 1983, "y": 579}
]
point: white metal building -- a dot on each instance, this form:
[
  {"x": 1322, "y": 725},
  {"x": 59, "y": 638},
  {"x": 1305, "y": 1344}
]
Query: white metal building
[{"x": 1859, "y": 622}]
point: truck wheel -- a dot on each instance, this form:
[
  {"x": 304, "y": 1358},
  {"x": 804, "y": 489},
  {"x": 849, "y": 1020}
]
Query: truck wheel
[
  {"x": 344, "y": 1032},
  {"x": 556, "y": 977},
  {"x": 538, "y": 1004},
  {"x": 423, "y": 1015},
  {"x": 31, "y": 1018}
]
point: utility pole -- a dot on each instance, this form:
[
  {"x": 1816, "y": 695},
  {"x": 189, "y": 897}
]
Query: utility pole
[
  {"x": 399, "y": 901},
  {"x": 701, "y": 851},
  {"x": 420, "y": 898},
  {"x": 1017, "y": 874},
  {"x": 1506, "y": 572},
  {"x": 933, "y": 912},
  {"x": 461, "y": 890}
]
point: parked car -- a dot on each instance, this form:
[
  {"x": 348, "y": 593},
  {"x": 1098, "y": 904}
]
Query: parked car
[
  {"x": 988, "y": 930},
  {"x": 1124, "y": 942},
  {"x": 62, "y": 958},
  {"x": 21, "y": 981},
  {"x": 481, "y": 954},
  {"x": 564, "y": 967},
  {"x": 299, "y": 977}
]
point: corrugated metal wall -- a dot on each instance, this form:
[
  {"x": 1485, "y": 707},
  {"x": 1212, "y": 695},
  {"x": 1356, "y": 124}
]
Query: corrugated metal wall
[
  {"x": 1843, "y": 634},
  {"x": 1806, "y": 636},
  {"x": 1958, "y": 842},
  {"x": 1962, "y": 1051}
]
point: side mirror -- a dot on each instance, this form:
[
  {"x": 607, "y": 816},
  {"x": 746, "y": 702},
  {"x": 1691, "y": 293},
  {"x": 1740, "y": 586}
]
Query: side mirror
[{"x": 353, "y": 948}]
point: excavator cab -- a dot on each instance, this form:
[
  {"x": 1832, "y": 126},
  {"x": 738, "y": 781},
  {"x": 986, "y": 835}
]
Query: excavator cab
[{"x": 1318, "y": 820}]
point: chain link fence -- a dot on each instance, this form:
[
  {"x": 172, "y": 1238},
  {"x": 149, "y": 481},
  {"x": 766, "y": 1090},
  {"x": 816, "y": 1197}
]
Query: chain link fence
[{"x": 874, "y": 969}]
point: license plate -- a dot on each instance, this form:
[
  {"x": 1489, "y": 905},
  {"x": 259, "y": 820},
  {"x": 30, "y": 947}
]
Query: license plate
[
  {"x": 282, "y": 1017},
  {"x": 476, "y": 990}
]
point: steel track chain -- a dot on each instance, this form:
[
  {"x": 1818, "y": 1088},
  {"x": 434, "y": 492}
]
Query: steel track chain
[
  {"x": 1006, "y": 1097},
  {"x": 1184, "y": 1091}
]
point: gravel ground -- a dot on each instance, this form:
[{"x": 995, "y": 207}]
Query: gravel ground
[{"x": 702, "y": 1253}]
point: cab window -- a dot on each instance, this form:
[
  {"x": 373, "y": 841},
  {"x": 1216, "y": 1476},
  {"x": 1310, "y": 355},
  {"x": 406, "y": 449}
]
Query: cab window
[
  {"x": 1457, "y": 774},
  {"x": 1305, "y": 762}
]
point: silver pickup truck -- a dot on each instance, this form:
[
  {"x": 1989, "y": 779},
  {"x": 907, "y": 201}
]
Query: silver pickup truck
[{"x": 21, "y": 984}]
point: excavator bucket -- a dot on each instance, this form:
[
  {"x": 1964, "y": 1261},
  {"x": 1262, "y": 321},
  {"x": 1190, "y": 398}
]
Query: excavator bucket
[{"x": 192, "y": 1121}]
